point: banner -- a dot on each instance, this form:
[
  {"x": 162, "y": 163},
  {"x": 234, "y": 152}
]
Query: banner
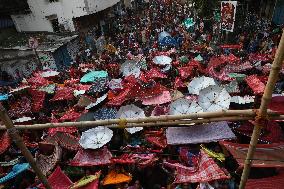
[{"x": 228, "y": 13}]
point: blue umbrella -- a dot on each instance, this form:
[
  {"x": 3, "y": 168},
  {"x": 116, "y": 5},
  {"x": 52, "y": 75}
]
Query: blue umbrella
[
  {"x": 168, "y": 41},
  {"x": 17, "y": 169},
  {"x": 93, "y": 76},
  {"x": 162, "y": 35},
  {"x": 105, "y": 113}
]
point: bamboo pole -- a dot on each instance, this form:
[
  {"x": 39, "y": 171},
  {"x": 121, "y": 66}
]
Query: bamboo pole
[
  {"x": 20, "y": 144},
  {"x": 140, "y": 123},
  {"x": 266, "y": 98}
]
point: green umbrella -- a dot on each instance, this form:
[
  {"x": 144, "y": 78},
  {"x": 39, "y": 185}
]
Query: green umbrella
[
  {"x": 198, "y": 58},
  {"x": 188, "y": 22},
  {"x": 184, "y": 59},
  {"x": 93, "y": 76},
  {"x": 237, "y": 76}
]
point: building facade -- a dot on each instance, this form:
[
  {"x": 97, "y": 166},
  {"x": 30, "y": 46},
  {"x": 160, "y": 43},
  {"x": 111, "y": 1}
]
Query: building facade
[{"x": 54, "y": 15}]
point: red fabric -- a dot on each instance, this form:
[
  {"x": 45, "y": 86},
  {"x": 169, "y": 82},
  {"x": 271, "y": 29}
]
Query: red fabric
[
  {"x": 272, "y": 131},
  {"x": 137, "y": 91},
  {"x": 86, "y": 158},
  {"x": 158, "y": 139},
  {"x": 179, "y": 83},
  {"x": 230, "y": 59},
  {"x": 119, "y": 99},
  {"x": 155, "y": 73},
  {"x": 71, "y": 82},
  {"x": 274, "y": 182},
  {"x": 145, "y": 160},
  {"x": 38, "y": 98},
  {"x": 259, "y": 57},
  {"x": 277, "y": 104},
  {"x": 63, "y": 93},
  {"x": 230, "y": 46},
  {"x": 20, "y": 108},
  {"x": 123, "y": 159},
  {"x": 185, "y": 72},
  {"x": 5, "y": 142},
  {"x": 215, "y": 62},
  {"x": 38, "y": 81},
  {"x": 266, "y": 155},
  {"x": 65, "y": 140},
  {"x": 206, "y": 171},
  {"x": 58, "y": 180},
  {"x": 255, "y": 84},
  {"x": 222, "y": 75},
  {"x": 71, "y": 115},
  {"x": 52, "y": 131}
]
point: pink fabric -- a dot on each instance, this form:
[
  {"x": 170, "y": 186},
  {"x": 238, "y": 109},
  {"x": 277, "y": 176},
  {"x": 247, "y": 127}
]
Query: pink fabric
[
  {"x": 206, "y": 171},
  {"x": 163, "y": 98},
  {"x": 85, "y": 158},
  {"x": 255, "y": 84}
]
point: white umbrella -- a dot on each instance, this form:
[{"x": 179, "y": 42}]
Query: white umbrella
[
  {"x": 115, "y": 84},
  {"x": 162, "y": 60},
  {"x": 49, "y": 73},
  {"x": 130, "y": 68},
  {"x": 131, "y": 111},
  {"x": 98, "y": 101},
  {"x": 22, "y": 119},
  {"x": 95, "y": 138},
  {"x": 214, "y": 98},
  {"x": 242, "y": 100},
  {"x": 184, "y": 106},
  {"x": 200, "y": 83}
]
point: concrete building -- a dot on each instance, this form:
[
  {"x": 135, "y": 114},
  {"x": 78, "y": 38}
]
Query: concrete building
[{"x": 55, "y": 15}]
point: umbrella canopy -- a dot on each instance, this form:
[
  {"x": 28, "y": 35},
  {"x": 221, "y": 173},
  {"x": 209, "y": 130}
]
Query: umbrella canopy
[
  {"x": 214, "y": 98},
  {"x": 188, "y": 23},
  {"x": 48, "y": 89},
  {"x": 198, "y": 58},
  {"x": 131, "y": 111},
  {"x": 200, "y": 83},
  {"x": 95, "y": 138},
  {"x": 49, "y": 73},
  {"x": 115, "y": 84},
  {"x": 242, "y": 100},
  {"x": 184, "y": 106},
  {"x": 237, "y": 76},
  {"x": 16, "y": 170},
  {"x": 98, "y": 101},
  {"x": 162, "y": 35},
  {"x": 163, "y": 98},
  {"x": 105, "y": 113},
  {"x": 162, "y": 60},
  {"x": 93, "y": 76},
  {"x": 130, "y": 67},
  {"x": 168, "y": 41},
  {"x": 99, "y": 85}
]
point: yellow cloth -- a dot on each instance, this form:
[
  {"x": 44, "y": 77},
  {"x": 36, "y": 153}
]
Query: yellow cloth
[
  {"x": 85, "y": 180},
  {"x": 110, "y": 48},
  {"x": 219, "y": 156},
  {"x": 116, "y": 178}
]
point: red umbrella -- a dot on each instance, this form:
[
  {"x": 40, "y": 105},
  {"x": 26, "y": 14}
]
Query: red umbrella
[
  {"x": 155, "y": 73},
  {"x": 63, "y": 93},
  {"x": 277, "y": 104},
  {"x": 38, "y": 98},
  {"x": 255, "y": 84},
  {"x": 38, "y": 81}
]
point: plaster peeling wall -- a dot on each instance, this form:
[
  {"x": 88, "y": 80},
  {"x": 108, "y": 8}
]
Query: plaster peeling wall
[{"x": 47, "y": 60}]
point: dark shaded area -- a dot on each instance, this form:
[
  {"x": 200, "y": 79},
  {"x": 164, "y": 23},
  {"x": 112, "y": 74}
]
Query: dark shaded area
[{"x": 13, "y": 6}]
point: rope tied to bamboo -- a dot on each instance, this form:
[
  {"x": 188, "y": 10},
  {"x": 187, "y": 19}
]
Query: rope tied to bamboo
[
  {"x": 260, "y": 119},
  {"x": 122, "y": 123}
]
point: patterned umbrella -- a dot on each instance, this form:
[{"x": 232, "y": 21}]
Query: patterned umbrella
[
  {"x": 99, "y": 85},
  {"x": 49, "y": 73},
  {"x": 131, "y": 111},
  {"x": 162, "y": 60},
  {"x": 130, "y": 68},
  {"x": 95, "y": 138},
  {"x": 184, "y": 106},
  {"x": 200, "y": 83},
  {"x": 214, "y": 98},
  {"x": 105, "y": 113}
]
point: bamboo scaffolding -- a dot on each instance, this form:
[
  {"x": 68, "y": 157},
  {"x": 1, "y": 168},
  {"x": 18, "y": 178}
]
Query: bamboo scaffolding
[
  {"x": 166, "y": 121},
  {"x": 266, "y": 98},
  {"x": 20, "y": 144}
]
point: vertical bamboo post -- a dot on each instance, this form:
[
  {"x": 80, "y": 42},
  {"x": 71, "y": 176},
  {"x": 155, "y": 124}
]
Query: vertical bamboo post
[
  {"x": 20, "y": 144},
  {"x": 266, "y": 98}
]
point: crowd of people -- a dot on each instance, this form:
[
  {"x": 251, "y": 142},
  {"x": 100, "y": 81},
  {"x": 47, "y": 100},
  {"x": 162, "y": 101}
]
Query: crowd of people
[{"x": 135, "y": 37}]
